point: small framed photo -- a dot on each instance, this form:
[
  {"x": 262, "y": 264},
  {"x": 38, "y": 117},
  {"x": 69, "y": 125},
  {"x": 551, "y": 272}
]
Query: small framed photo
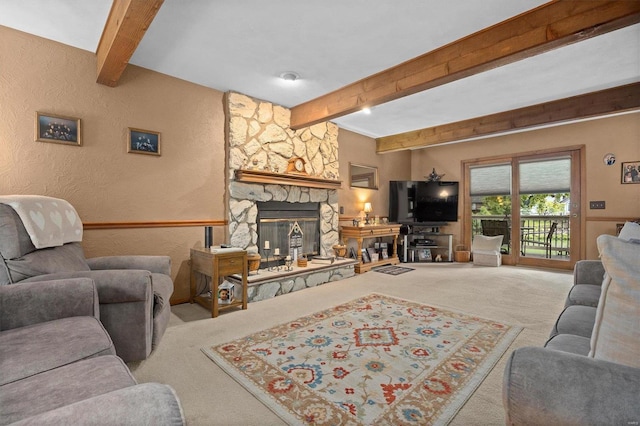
[
  {"x": 372, "y": 251},
  {"x": 631, "y": 172},
  {"x": 58, "y": 129},
  {"x": 143, "y": 142},
  {"x": 352, "y": 253},
  {"x": 365, "y": 256},
  {"x": 384, "y": 253},
  {"x": 226, "y": 293},
  {"x": 424, "y": 255}
]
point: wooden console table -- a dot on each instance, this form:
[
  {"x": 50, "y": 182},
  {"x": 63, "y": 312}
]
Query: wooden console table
[
  {"x": 218, "y": 263},
  {"x": 360, "y": 233}
]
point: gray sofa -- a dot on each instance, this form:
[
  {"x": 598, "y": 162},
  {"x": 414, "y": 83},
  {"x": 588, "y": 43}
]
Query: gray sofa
[
  {"x": 588, "y": 372},
  {"x": 134, "y": 291},
  {"x": 58, "y": 364}
]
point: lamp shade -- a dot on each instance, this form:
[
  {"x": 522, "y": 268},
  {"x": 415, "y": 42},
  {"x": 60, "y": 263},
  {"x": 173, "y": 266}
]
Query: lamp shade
[{"x": 367, "y": 208}]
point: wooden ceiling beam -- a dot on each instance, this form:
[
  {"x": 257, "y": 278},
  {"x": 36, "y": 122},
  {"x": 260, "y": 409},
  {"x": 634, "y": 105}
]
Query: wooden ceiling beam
[
  {"x": 610, "y": 101},
  {"x": 539, "y": 30},
  {"x": 126, "y": 25}
]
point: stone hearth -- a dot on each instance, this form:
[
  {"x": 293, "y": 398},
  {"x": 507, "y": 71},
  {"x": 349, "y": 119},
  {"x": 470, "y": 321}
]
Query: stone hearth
[
  {"x": 267, "y": 284},
  {"x": 259, "y": 138}
]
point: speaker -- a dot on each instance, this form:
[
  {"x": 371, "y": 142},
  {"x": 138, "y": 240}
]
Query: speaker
[{"x": 208, "y": 236}]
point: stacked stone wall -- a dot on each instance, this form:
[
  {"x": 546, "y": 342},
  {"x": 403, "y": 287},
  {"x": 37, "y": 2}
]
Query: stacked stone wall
[{"x": 259, "y": 138}]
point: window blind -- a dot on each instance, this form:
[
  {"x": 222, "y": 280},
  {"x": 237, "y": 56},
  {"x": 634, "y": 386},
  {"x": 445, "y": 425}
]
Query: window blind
[
  {"x": 490, "y": 180},
  {"x": 545, "y": 177},
  {"x": 536, "y": 177}
]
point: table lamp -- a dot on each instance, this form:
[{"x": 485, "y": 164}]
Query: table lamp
[{"x": 367, "y": 209}]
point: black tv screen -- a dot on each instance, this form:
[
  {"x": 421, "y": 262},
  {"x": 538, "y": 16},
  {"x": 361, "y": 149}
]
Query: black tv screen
[{"x": 423, "y": 202}]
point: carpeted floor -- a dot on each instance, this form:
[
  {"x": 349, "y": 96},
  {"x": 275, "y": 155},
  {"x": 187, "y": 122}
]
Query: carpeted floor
[{"x": 527, "y": 297}]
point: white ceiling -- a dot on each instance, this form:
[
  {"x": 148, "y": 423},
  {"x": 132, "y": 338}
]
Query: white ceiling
[{"x": 245, "y": 45}]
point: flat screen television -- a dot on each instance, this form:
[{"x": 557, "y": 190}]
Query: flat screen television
[{"x": 419, "y": 202}]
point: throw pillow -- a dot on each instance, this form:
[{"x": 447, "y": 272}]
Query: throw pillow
[
  {"x": 616, "y": 333},
  {"x": 630, "y": 232}
]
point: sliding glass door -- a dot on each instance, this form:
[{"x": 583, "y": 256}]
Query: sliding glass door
[
  {"x": 533, "y": 200},
  {"x": 491, "y": 206}
]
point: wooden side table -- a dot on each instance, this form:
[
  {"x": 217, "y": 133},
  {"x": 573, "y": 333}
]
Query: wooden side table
[
  {"x": 218, "y": 263},
  {"x": 360, "y": 233}
]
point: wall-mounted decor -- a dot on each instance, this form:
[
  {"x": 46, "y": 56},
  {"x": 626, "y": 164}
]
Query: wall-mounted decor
[
  {"x": 433, "y": 176},
  {"x": 143, "y": 142},
  {"x": 363, "y": 176},
  {"x": 609, "y": 159},
  {"x": 58, "y": 129},
  {"x": 631, "y": 172}
]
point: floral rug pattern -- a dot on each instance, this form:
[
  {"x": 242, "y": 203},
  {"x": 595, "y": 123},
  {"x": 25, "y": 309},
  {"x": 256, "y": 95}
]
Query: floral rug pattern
[{"x": 375, "y": 360}]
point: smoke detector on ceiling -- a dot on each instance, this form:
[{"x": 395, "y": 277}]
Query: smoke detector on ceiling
[{"x": 290, "y": 76}]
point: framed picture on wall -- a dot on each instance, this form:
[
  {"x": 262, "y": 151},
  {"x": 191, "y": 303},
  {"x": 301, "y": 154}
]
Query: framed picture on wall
[
  {"x": 143, "y": 142},
  {"x": 58, "y": 129},
  {"x": 631, "y": 172}
]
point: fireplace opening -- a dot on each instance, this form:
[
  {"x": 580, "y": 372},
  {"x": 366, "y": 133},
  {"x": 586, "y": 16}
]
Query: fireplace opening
[{"x": 276, "y": 220}]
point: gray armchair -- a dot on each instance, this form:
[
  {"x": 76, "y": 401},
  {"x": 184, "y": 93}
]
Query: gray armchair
[{"x": 133, "y": 291}]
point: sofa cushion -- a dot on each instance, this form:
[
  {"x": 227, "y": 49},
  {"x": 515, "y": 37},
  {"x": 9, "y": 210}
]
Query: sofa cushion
[
  {"x": 575, "y": 319},
  {"x": 69, "y": 257},
  {"x": 569, "y": 343},
  {"x": 30, "y": 350},
  {"x": 616, "y": 332},
  {"x": 584, "y": 294},
  {"x": 144, "y": 404},
  {"x": 62, "y": 386}
]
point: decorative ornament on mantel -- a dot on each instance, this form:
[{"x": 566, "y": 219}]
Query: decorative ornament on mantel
[
  {"x": 434, "y": 177},
  {"x": 296, "y": 166}
]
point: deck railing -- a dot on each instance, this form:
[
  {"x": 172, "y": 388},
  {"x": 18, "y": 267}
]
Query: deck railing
[{"x": 534, "y": 230}]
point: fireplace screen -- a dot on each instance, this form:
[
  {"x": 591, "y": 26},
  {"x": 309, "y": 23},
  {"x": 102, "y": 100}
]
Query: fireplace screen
[{"x": 275, "y": 223}]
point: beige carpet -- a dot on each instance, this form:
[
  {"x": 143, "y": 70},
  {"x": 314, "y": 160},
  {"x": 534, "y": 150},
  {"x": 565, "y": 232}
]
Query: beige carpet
[{"x": 531, "y": 298}]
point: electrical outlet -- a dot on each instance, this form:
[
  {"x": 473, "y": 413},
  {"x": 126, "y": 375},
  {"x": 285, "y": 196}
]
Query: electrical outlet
[{"x": 596, "y": 205}]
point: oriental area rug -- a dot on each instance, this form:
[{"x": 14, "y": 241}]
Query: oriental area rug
[{"x": 376, "y": 360}]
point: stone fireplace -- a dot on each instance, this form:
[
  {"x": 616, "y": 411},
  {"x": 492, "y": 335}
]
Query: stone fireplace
[
  {"x": 259, "y": 139},
  {"x": 259, "y": 145},
  {"x": 282, "y": 223}
]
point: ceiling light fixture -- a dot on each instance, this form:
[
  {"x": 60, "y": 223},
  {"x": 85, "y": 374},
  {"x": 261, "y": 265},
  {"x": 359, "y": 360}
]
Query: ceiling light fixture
[{"x": 290, "y": 76}]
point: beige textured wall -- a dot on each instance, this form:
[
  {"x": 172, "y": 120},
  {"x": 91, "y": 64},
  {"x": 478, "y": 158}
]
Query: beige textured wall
[
  {"x": 106, "y": 184},
  {"x": 102, "y": 180},
  {"x": 619, "y": 135},
  {"x": 359, "y": 149}
]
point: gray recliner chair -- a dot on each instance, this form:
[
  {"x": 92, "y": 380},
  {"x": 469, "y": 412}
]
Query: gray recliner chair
[
  {"x": 58, "y": 364},
  {"x": 134, "y": 291}
]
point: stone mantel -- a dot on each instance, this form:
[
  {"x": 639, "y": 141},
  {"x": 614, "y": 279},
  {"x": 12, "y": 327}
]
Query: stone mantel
[{"x": 257, "y": 176}]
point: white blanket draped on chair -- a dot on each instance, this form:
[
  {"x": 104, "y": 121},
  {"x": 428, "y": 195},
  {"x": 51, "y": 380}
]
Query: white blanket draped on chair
[{"x": 50, "y": 222}]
